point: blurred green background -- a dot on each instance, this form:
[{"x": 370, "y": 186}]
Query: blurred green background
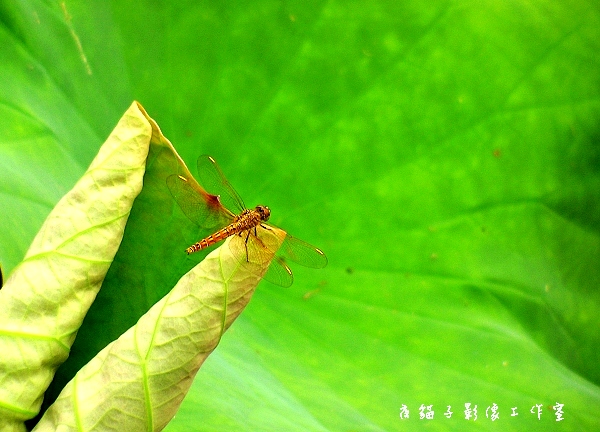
[{"x": 445, "y": 155}]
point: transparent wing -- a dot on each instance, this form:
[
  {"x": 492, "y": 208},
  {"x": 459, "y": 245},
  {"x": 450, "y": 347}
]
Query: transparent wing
[
  {"x": 204, "y": 209},
  {"x": 214, "y": 181},
  {"x": 279, "y": 273},
  {"x": 255, "y": 249},
  {"x": 302, "y": 253}
]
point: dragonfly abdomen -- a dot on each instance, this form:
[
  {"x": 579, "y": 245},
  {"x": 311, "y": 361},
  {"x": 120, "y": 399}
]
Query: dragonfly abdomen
[{"x": 245, "y": 221}]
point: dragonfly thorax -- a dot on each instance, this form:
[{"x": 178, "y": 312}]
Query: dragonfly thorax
[{"x": 263, "y": 211}]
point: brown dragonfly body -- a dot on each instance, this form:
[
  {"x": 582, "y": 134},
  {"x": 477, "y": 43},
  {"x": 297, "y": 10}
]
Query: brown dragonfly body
[
  {"x": 251, "y": 236},
  {"x": 244, "y": 222}
]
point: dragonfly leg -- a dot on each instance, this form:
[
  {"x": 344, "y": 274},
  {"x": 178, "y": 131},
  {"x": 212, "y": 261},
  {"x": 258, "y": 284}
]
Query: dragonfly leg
[{"x": 246, "y": 244}]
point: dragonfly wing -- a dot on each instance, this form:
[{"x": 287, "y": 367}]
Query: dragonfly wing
[
  {"x": 279, "y": 273},
  {"x": 302, "y": 253},
  {"x": 202, "y": 208},
  {"x": 255, "y": 250},
  {"x": 215, "y": 182}
]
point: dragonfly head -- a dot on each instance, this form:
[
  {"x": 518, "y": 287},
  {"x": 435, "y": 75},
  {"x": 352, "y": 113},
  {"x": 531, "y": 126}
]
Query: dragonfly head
[{"x": 264, "y": 212}]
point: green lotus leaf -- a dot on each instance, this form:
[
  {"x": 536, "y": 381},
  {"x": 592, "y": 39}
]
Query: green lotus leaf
[
  {"x": 46, "y": 298},
  {"x": 444, "y": 155},
  {"x": 139, "y": 381}
]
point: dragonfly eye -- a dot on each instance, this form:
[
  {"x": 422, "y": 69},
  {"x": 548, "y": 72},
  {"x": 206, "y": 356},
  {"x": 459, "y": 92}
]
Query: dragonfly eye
[{"x": 264, "y": 211}]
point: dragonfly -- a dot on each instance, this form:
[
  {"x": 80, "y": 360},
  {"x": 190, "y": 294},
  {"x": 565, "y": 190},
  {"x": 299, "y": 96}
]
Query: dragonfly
[{"x": 252, "y": 238}]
